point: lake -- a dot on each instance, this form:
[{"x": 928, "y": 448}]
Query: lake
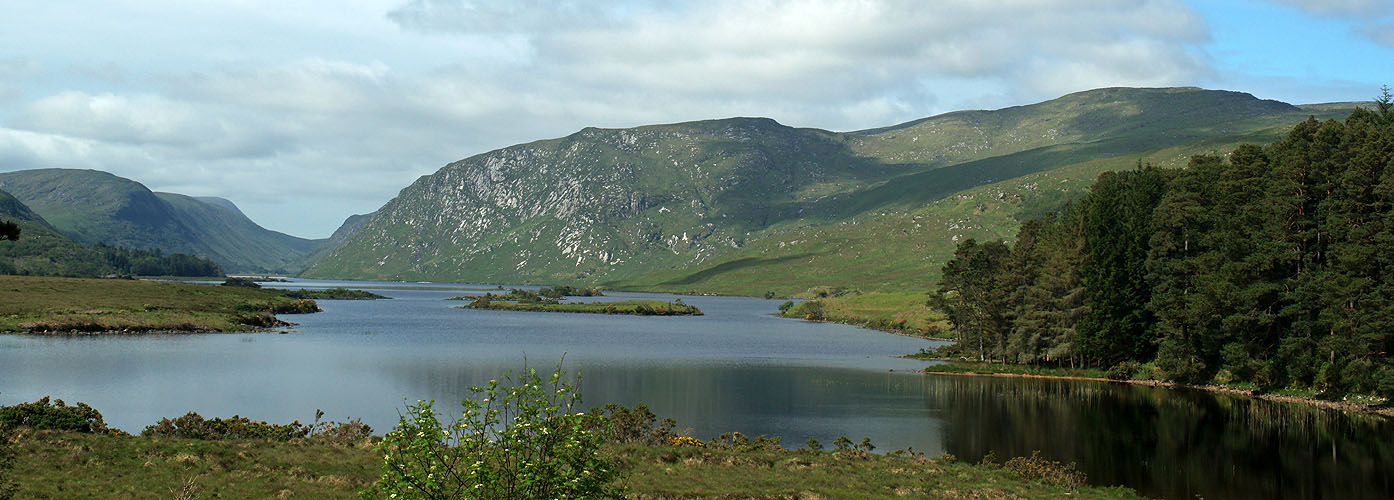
[{"x": 737, "y": 368}]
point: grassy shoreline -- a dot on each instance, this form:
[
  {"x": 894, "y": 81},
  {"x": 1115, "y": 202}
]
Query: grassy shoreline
[
  {"x": 956, "y": 367},
  {"x": 901, "y": 313},
  {"x": 53, "y": 464},
  {"x": 81, "y": 306}
]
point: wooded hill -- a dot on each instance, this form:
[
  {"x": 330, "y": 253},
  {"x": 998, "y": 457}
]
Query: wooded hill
[{"x": 1271, "y": 265}]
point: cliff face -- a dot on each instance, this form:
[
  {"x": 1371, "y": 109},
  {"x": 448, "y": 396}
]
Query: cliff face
[{"x": 601, "y": 202}]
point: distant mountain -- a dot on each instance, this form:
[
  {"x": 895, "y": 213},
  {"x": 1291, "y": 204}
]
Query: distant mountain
[
  {"x": 90, "y": 206},
  {"x": 745, "y": 205},
  {"x": 42, "y": 250},
  {"x": 351, "y": 225}
]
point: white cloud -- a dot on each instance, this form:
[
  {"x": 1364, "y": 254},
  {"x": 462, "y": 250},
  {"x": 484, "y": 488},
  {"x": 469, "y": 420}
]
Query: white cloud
[
  {"x": 303, "y": 119},
  {"x": 829, "y": 49},
  {"x": 1372, "y": 19},
  {"x": 1341, "y": 7},
  {"x": 1381, "y": 33}
]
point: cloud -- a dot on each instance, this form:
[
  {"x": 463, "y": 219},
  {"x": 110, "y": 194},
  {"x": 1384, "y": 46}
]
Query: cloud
[
  {"x": 1381, "y": 33},
  {"x": 1343, "y": 8},
  {"x": 1372, "y": 19},
  {"x": 825, "y": 49},
  {"x": 303, "y": 120}
]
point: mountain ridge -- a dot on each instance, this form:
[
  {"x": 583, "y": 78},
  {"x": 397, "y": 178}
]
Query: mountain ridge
[
  {"x": 92, "y": 206},
  {"x": 613, "y": 205}
]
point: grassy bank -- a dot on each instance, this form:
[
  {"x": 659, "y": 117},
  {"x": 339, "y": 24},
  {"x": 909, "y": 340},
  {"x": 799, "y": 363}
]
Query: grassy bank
[
  {"x": 1147, "y": 375},
  {"x": 53, "y": 465},
  {"x": 897, "y": 312},
  {"x": 981, "y": 368},
  {"x": 74, "y": 305},
  {"x": 632, "y": 307}
]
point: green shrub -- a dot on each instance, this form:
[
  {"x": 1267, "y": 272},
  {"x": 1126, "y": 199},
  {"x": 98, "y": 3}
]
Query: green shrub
[
  {"x": 808, "y": 309},
  {"x": 1124, "y": 370},
  {"x": 56, "y": 416},
  {"x": 194, "y": 426},
  {"x": 242, "y": 282},
  {"x": 1051, "y": 472},
  {"x": 516, "y": 439},
  {"x": 1386, "y": 382},
  {"x": 638, "y": 425},
  {"x": 784, "y": 308}
]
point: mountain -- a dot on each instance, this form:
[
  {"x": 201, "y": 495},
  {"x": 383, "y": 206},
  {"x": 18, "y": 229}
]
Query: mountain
[
  {"x": 747, "y": 205},
  {"x": 351, "y": 225},
  {"x": 41, "y": 250},
  {"x": 90, "y": 207}
]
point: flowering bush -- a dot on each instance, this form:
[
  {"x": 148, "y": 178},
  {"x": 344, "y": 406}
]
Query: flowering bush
[
  {"x": 57, "y": 415},
  {"x": 516, "y": 439},
  {"x": 194, "y": 426},
  {"x": 686, "y": 441}
]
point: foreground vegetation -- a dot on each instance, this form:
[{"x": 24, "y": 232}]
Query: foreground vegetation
[
  {"x": 31, "y": 304},
  {"x": 520, "y": 438},
  {"x": 1269, "y": 268},
  {"x": 63, "y": 465}
]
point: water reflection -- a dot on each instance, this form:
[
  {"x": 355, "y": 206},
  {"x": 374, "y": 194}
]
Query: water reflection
[{"x": 1172, "y": 443}]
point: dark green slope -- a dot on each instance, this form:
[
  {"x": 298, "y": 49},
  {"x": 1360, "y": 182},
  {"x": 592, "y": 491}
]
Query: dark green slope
[
  {"x": 42, "y": 251},
  {"x": 730, "y": 205},
  {"x": 90, "y": 206}
]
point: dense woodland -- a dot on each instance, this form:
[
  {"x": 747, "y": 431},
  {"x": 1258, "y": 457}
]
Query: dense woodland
[
  {"x": 1272, "y": 266},
  {"x": 57, "y": 257}
]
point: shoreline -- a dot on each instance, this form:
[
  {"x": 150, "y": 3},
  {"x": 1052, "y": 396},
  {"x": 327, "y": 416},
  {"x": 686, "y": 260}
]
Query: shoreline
[
  {"x": 1344, "y": 406},
  {"x": 128, "y": 332},
  {"x": 777, "y": 314}
]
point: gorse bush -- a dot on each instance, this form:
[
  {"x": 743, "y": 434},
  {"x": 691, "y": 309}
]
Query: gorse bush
[
  {"x": 517, "y": 438},
  {"x": 56, "y": 415},
  {"x": 194, "y": 426},
  {"x": 1049, "y": 471},
  {"x": 637, "y": 425}
]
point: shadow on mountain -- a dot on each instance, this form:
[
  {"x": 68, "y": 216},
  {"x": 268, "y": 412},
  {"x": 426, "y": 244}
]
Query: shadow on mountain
[{"x": 735, "y": 265}]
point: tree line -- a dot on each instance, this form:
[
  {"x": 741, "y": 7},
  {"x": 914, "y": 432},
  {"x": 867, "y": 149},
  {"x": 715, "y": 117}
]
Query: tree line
[
  {"x": 1272, "y": 266},
  {"x": 49, "y": 256}
]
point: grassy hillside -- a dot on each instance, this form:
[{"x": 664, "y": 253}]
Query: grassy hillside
[
  {"x": 748, "y": 206},
  {"x": 97, "y": 207},
  {"x": 42, "y": 251},
  {"x": 900, "y": 244}
]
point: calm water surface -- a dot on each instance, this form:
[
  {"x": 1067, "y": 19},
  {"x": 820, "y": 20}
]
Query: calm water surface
[{"x": 737, "y": 368}]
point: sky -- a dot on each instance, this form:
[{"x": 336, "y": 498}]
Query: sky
[{"x": 306, "y": 112}]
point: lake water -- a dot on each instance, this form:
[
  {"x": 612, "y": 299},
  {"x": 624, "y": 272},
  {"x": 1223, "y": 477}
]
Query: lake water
[{"x": 737, "y": 368}]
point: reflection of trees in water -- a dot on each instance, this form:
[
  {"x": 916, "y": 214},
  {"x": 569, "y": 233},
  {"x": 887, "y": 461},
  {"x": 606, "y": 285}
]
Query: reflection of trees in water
[
  {"x": 1172, "y": 443},
  {"x": 793, "y": 402}
]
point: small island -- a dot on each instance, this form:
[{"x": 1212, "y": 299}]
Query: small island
[
  {"x": 549, "y": 300},
  {"x": 336, "y": 293},
  {"x": 83, "y": 306}
]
